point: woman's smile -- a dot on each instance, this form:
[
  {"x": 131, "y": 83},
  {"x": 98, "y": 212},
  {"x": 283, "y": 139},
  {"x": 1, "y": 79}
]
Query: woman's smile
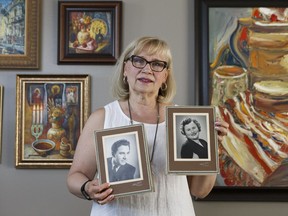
[{"x": 145, "y": 80}]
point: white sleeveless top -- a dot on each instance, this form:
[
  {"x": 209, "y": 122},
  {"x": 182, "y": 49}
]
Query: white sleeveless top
[{"x": 171, "y": 196}]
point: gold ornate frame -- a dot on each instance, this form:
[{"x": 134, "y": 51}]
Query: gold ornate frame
[
  {"x": 31, "y": 57},
  {"x": 51, "y": 112}
]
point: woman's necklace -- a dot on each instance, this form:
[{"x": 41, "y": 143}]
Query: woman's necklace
[{"x": 156, "y": 130}]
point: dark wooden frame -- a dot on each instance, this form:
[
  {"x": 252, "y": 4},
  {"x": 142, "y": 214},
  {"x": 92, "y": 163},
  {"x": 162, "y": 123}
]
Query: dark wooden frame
[
  {"x": 223, "y": 193},
  {"x": 114, "y": 8}
]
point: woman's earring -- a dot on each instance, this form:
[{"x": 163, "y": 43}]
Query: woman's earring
[
  {"x": 125, "y": 80},
  {"x": 164, "y": 87}
]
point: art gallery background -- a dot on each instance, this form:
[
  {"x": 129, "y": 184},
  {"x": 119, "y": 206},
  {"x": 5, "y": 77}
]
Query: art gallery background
[{"x": 43, "y": 192}]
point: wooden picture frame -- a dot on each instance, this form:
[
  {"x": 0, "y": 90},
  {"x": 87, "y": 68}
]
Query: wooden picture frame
[
  {"x": 1, "y": 118},
  {"x": 134, "y": 175},
  {"x": 192, "y": 143},
  {"x": 51, "y": 112},
  {"x": 20, "y": 40},
  {"x": 226, "y": 77},
  {"x": 89, "y": 32}
]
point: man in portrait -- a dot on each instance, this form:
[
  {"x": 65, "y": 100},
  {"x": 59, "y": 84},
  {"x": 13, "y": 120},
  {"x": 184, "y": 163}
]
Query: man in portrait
[
  {"x": 118, "y": 168},
  {"x": 193, "y": 147}
]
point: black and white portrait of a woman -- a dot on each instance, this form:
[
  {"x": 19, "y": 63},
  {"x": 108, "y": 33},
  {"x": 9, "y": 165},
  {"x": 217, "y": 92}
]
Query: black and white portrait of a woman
[{"x": 192, "y": 139}]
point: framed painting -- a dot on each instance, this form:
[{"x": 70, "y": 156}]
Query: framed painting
[
  {"x": 51, "y": 112},
  {"x": 123, "y": 161},
  {"x": 89, "y": 32},
  {"x": 20, "y": 34},
  {"x": 1, "y": 115},
  {"x": 192, "y": 144},
  {"x": 241, "y": 64}
]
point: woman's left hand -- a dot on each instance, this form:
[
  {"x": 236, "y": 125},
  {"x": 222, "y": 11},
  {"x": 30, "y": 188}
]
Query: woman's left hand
[{"x": 222, "y": 129}]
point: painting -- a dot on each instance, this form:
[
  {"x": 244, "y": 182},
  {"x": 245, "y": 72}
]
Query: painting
[
  {"x": 123, "y": 161},
  {"x": 51, "y": 112},
  {"x": 192, "y": 144},
  {"x": 242, "y": 56},
  {"x": 1, "y": 116},
  {"x": 19, "y": 34},
  {"x": 89, "y": 32}
]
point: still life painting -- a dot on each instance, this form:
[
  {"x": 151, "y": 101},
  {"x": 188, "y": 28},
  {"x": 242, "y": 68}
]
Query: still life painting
[
  {"x": 248, "y": 58},
  {"x": 89, "y": 32},
  {"x": 51, "y": 111}
]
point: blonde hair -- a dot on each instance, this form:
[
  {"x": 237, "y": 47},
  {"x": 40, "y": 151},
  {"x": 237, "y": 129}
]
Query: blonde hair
[{"x": 152, "y": 45}]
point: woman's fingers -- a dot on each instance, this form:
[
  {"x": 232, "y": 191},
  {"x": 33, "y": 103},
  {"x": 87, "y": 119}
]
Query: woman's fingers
[
  {"x": 222, "y": 129},
  {"x": 102, "y": 194}
]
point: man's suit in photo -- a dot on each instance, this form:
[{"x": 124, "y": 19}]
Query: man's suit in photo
[{"x": 124, "y": 172}]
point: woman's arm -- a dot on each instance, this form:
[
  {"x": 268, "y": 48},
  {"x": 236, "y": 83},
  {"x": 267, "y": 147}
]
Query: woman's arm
[
  {"x": 84, "y": 165},
  {"x": 200, "y": 186}
]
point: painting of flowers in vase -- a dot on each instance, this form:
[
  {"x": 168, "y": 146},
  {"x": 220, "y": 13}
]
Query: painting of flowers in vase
[{"x": 90, "y": 32}]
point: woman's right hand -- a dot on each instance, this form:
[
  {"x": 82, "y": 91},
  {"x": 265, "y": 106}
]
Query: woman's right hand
[{"x": 101, "y": 194}]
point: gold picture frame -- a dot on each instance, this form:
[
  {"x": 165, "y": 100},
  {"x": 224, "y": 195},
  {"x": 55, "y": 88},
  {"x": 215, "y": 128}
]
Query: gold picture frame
[
  {"x": 133, "y": 176},
  {"x": 19, "y": 49},
  {"x": 1, "y": 118},
  {"x": 194, "y": 153},
  {"x": 51, "y": 112}
]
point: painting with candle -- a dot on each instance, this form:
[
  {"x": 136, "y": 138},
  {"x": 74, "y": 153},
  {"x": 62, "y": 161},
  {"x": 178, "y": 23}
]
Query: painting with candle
[{"x": 51, "y": 111}]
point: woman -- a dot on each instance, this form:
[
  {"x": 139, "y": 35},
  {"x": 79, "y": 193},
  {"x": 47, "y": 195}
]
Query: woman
[
  {"x": 143, "y": 85},
  {"x": 193, "y": 147}
]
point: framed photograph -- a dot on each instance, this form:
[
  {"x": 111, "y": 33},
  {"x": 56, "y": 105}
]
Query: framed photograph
[
  {"x": 241, "y": 48},
  {"x": 50, "y": 114},
  {"x": 192, "y": 143},
  {"x": 89, "y": 32},
  {"x": 20, "y": 34},
  {"x": 122, "y": 159},
  {"x": 1, "y": 115}
]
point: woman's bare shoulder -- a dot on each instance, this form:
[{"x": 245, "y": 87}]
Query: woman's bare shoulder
[
  {"x": 98, "y": 112},
  {"x": 96, "y": 119}
]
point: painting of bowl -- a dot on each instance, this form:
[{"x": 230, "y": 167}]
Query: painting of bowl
[{"x": 43, "y": 146}]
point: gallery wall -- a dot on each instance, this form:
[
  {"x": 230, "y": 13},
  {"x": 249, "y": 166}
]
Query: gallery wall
[{"x": 43, "y": 192}]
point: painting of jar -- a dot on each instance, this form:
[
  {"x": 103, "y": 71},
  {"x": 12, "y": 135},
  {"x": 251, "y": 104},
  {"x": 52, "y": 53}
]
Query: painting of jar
[
  {"x": 55, "y": 119},
  {"x": 89, "y": 32},
  {"x": 249, "y": 88}
]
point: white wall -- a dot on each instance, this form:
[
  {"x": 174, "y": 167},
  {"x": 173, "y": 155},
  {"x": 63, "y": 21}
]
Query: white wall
[{"x": 43, "y": 192}]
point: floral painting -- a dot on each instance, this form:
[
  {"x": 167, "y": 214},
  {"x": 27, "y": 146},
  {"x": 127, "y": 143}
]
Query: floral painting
[{"x": 90, "y": 32}]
